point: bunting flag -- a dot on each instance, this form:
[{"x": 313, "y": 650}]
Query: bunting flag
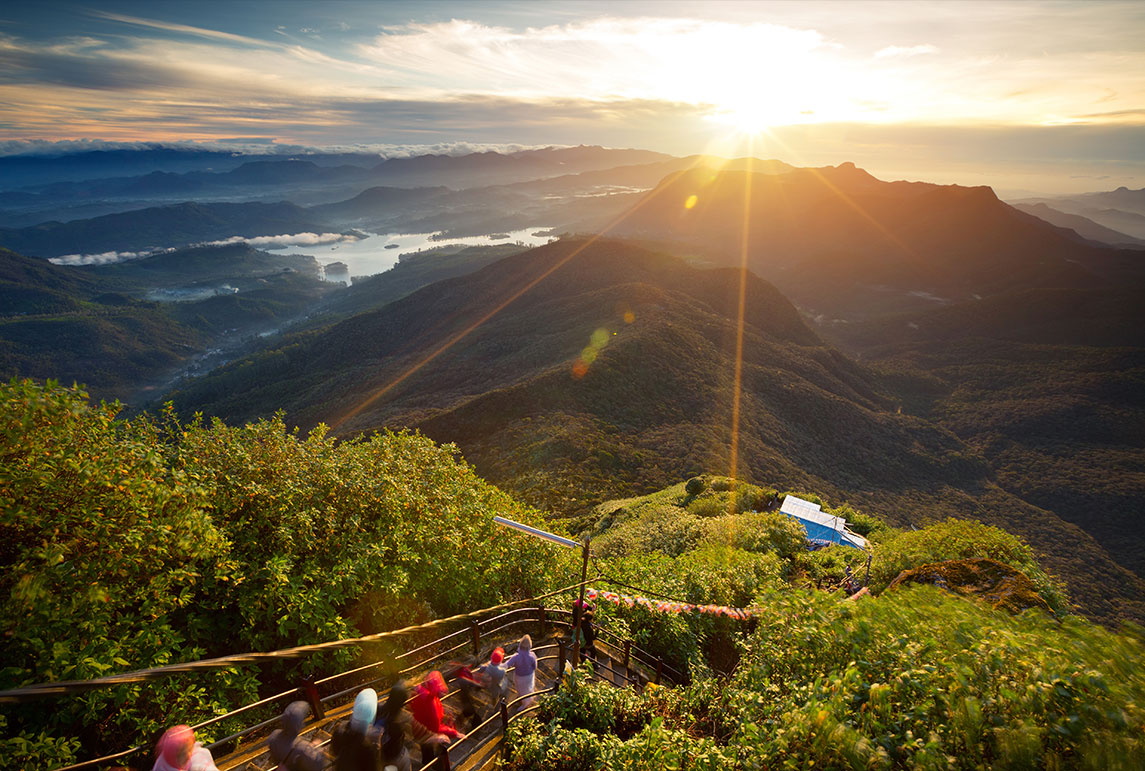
[{"x": 668, "y": 606}]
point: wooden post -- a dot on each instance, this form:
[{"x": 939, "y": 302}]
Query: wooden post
[
  {"x": 443, "y": 756},
  {"x": 544, "y": 619},
  {"x": 579, "y": 608},
  {"x": 504, "y": 716},
  {"x": 475, "y": 631},
  {"x": 309, "y": 691},
  {"x": 627, "y": 659},
  {"x": 659, "y": 670},
  {"x": 867, "y": 580},
  {"x": 561, "y": 658}
]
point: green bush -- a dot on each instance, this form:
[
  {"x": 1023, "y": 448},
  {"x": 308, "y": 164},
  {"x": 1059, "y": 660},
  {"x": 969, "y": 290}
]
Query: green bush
[
  {"x": 759, "y": 532},
  {"x": 722, "y": 484},
  {"x": 909, "y": 680},
  {"x": 665, "y": 529},
  {"x": 827, "y": 568},
  {"x": 126, "y": 544},
  {"x": 956, "y": 539},
  {"x": 695, "y": 486},
  {"x": 710, "y": 506}
]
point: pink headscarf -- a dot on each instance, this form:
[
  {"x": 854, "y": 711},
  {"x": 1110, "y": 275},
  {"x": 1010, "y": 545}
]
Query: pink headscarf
[
  {"x": 435, "y": 683},
  {"x": 174, "y": 749}
]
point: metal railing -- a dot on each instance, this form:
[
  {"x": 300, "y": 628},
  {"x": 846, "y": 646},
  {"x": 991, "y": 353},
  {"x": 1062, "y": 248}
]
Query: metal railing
[{"x": 400, "y": 666}]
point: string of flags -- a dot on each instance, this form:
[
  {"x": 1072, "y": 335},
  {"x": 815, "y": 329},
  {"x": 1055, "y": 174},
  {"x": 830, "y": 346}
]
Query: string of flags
[{"x": 667, "y": 606}]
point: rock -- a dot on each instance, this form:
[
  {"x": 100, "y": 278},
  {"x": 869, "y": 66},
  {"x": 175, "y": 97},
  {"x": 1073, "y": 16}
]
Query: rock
[{"x": 998, "y": 585}]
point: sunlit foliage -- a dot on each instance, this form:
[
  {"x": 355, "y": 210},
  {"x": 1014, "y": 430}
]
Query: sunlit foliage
[{"x": 134, "y": 543}]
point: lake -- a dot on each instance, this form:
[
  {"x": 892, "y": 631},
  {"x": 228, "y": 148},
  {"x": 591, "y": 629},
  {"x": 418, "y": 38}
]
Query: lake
[{"x": 379, "y": 253}]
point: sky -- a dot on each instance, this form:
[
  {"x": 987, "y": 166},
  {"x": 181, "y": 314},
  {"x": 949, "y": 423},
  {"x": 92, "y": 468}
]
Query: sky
[{"x": 1026, "y": 95}]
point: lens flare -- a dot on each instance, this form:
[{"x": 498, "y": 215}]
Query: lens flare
[{"x": 691, "y": 202}]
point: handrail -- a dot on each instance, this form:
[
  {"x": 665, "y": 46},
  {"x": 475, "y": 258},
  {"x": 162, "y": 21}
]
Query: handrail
[
  {"x": 536, "y": 614},
  {"x": 17, "y": 695}
]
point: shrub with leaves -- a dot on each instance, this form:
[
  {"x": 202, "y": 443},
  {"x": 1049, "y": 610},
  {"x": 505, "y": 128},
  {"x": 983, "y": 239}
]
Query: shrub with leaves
[
  {"x": 912, "y": 679},
  {"x": 961, "y": 539},
  {"x": 133, "y": 543}
]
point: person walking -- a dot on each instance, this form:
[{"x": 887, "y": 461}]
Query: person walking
[
  {"x": 427, "y": 711},
  {"x": 586, "y": 635},
  {"x": 290, "y": 752},
  {"x": 177, "y": 750},
  {"x": 354, "y": 741},
  {"x": 494, "y": 675},
  {"x": 524, "y": 666}
]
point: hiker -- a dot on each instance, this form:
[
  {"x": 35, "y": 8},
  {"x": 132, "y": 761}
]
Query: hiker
[
  {"x": 468, "y": 684},
  {"x": 849, "y": 582},
  {"x": 494, "y": 675},
  {"x": 290, "y": 752},
  {"x": 354, "y": 741},
  {"x": 586, "y": 634},
  {"x": 427, "y": 711},
  {"x": 177, "y": 750},
  {"x": 524, "y": 665},
  {"x": 398, "y": 728}
]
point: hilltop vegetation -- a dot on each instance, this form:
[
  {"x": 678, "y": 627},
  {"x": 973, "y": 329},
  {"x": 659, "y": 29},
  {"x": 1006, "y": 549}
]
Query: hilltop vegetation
[
  {"x": 913, "y": 679},
  {"x": 128, "y": 543},
  {"x": 132, "y": 543},
  {"x": 910, "y": 678}
]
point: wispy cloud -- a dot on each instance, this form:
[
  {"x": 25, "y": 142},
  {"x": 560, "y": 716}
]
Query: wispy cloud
[
  {"x": 186, "y": 29},
  {"x": 104, "y": 258}
]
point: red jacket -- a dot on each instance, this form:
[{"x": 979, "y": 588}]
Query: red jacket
[{"x": 426, "y": 709}]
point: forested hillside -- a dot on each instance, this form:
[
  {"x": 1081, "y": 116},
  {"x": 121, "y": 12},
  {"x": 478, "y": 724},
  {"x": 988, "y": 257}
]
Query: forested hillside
[{"x": 614, "y": 376}]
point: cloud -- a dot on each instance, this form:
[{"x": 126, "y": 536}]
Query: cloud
[
  {"x": 262, "y": 242},
  {"x": 104, "y": 258},
  {"x": 906, "y": 51},
  {"x": 296, "y": 239},
  {"x": 168, "y": 26}
]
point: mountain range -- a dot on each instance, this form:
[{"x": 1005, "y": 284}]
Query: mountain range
[
  {"x": 921, "y": 350},
  {"x": 846, "y": 245}
]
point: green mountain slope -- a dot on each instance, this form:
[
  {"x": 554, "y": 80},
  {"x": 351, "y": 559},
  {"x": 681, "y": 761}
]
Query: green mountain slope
[
  {"x": 1046, "y": 385},
  {"x": 614, "y": 375},
  {"x": 99, "y": 326}
]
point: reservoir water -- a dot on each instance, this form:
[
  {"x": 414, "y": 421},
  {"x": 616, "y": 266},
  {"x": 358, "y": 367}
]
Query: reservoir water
[{"x": 379, "y": 253}]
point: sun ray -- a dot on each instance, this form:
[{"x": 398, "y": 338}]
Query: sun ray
[
  {"x": 459, "y": 336},
  {"x": 737, "y": 376}
]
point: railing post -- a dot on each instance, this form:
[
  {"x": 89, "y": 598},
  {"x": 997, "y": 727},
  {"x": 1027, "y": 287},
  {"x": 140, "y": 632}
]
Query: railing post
[
  {"x": 659, "y": 670},
  {"x": 309, "y": 691},
  {"x": 560, "y": 660},
  {"x": 544, "y": 619},
  {"x": 627, "y": 654},
  {"x": 443, "y": 756},
  {"x": 475, "y": 631},
  {"x": 504, "y": 724}
]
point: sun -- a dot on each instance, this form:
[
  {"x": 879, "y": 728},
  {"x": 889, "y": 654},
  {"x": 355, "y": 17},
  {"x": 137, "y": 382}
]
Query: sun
[{"x": 748, "y": 117}]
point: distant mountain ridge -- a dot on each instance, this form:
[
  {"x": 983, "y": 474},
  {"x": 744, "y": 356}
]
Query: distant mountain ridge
[
  {"x": 1083, "y": 226},
  {"x": 843, "y": 243},
  {"x": 1122, "y": 210},
  {"x": 160, "y": 227},
  {"x": 487, "y": 167}
]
